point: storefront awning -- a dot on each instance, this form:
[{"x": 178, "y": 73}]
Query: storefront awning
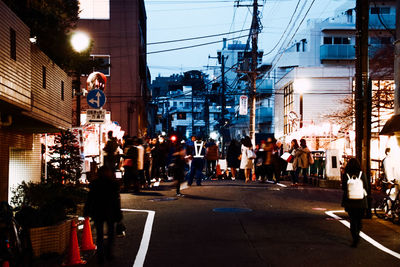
[{"x": 391, "y": 126}]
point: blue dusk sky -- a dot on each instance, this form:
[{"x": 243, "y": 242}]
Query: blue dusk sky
[{"x": 183, "y": 19}]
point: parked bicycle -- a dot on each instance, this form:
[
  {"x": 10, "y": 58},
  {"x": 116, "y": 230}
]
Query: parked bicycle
[{"x": 389, "y": 206}]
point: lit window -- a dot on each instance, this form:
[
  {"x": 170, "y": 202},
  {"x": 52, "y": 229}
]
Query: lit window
[
  {"x": 104, "y": 60},
  {"x": 94, "y": 9}
]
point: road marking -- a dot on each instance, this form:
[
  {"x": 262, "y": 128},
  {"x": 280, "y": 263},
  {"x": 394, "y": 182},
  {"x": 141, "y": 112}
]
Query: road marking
[
  {"x": 363, "y": 235},
  {"x": 282, "y": 185},
  {"x": 144, "y": 244}
]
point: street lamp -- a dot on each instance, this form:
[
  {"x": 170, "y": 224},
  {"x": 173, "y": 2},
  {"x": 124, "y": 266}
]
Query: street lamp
[
  {"x": 300, "y": 86},
  {"x": 80, "y": 42}
]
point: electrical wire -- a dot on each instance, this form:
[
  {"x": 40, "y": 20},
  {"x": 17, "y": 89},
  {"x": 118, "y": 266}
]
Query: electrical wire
[
  {"x": 194, "y": 38},
  {"x": 287, "y": 27},
  {"x": 192, "y": 46}
]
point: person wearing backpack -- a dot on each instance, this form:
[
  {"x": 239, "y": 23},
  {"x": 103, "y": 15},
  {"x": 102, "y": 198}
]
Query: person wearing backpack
[{"x": 355, "y": 186}]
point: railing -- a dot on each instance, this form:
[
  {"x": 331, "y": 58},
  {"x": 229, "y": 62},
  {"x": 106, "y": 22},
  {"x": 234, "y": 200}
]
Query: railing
[{"x": 337, "y": 52}]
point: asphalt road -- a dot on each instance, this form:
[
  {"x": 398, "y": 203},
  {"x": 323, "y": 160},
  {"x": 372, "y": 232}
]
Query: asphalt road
[{"x": 272, "y": 225}]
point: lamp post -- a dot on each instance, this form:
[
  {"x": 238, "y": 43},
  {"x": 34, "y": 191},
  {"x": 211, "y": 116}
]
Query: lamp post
[
  {"x": 80, "y": 42},
  {"x": 300, "y": 86}
]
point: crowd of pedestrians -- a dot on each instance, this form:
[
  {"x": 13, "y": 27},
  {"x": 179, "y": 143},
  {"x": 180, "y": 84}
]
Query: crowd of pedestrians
[{"x": 145, "y": 161}]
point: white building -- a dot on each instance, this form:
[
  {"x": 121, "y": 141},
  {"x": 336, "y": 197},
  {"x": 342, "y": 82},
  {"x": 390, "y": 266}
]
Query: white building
[{"x": 316, "y": 72}]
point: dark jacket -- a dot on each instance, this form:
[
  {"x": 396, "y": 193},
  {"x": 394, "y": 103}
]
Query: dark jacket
[
  {"x": 233, "y": 154},
  {"x": 353, "y": 203},
  {"x": 103, "y": 202}
]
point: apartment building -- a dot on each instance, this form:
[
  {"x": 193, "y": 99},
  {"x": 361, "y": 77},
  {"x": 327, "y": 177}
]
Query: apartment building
[
  {"x": 35, "y": 98},
  {"x": 316, "y": 72},
  {"x": 118, "y": 29}
]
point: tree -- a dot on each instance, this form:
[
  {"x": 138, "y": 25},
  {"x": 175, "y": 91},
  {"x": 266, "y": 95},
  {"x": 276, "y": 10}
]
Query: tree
[
  {"x": 65, "y": 165},
  {"x": 50, "y": 22}
]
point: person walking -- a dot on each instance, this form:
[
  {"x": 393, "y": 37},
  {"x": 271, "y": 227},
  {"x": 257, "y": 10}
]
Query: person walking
[
  {"x": 246, "y": 160},
  {"x": 212, "y": 156},
  {"x": 130, "y": 165},
  {"x": 197, "y": 165},
  {"x": 111, "y": 151},
  {"x": 354, "y": 207},
  {"x": 103, "y": 205},
  {"x": 179, "y": 167},
  {"x": 268, "y": 161},
  {"x": 232, "y": 157},
  {"x": 290, "y": 167},
  {"x": 278, "y": 163},
  {"x": 302, "y": 160}
]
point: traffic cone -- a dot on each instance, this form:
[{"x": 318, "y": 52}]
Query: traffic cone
[
  {"x": 253, "y": 177},
  {"x": 87, "y": 240},
  {"x": 6, "y": 264},
  {"x": 74, "y": 256}
]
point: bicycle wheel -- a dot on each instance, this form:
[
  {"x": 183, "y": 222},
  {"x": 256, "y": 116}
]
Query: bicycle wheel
[
  {"x": 381, "y": 208},
  {"x": 396, "y": 212}
]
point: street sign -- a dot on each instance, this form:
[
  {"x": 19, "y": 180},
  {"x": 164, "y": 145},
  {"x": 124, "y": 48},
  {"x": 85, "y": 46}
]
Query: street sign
[
  {"x": 243, "y": 105},
  {"x": 96, "y": 98},
  {"x": 96, "y": 115}
]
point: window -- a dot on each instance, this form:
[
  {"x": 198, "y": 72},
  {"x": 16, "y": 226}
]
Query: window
[
  {"x": 104, "y": 62},
  {"x": 13, "y": 44},
  {"x": 217, "y": 116},
  {"x": 174, "y": 104},
  {"x": 94, "y": 9},
  {"x": 181, "y": 130},
  {"x": 288, "y": 109},
  {"x": 327, "y": 40},
  {"x": 188, "y": 104},
  {"x": 62, "y": 90},
  {"x": 181, "y": 116},
  {"x": 44, "y": 77},
  {"x": 337, "y": 40}
]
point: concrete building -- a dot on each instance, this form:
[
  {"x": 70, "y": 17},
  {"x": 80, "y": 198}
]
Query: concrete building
[
  {"x": 315, "y": 74},
  {"x": 35, "y": 98},
  {"x": 118, "y": 29}
]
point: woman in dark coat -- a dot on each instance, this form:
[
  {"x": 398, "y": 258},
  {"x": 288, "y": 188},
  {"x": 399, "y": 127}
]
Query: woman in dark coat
[
  {"x": 354, "y": 207},
  {"x": 103, "y": 205},
  {"x": 232, "y": 157}
]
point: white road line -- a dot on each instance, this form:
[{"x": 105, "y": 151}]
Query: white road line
[
  {"x": 363, "y": 235},
  {"x": 144, "y": 244},
  {"x": 282, "y": 185}
]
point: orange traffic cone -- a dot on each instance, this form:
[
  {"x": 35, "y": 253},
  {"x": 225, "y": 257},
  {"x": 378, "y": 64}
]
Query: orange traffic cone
[
  {"x": 253, "y": 177},
  {"x": 87, "y": 240},
  {"x": 74, "y": 256}
]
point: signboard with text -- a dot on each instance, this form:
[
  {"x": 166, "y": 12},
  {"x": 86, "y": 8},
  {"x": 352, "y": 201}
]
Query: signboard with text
[
  {"x": 243, "y": 105},
  {"x": 96, "y": 115}
]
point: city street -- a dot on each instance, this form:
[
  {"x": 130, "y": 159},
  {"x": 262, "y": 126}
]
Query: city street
[{"x": 230, "y": 223}]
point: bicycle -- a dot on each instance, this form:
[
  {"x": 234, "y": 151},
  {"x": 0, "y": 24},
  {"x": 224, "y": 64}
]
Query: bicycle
[
  {"x": 389, "y": 208},
  {"x": 11, "y": 246}
]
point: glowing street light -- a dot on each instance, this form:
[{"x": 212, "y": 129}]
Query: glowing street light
[
  {"x": 80, "y": 41},
  {"x": 300, "y": 86}
]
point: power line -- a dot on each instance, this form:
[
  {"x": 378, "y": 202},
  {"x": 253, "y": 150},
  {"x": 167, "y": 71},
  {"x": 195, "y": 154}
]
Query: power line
[
  {"x": 192, "y": 46},
  {"x": 195, "y": 38}
]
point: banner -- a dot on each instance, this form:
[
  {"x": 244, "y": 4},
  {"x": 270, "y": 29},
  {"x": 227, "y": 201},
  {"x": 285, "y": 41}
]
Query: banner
[{"x": 243, "y": 104}]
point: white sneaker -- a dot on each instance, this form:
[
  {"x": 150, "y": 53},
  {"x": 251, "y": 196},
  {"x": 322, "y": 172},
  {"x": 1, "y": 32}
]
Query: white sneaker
[{"x": 233, "y": 178}]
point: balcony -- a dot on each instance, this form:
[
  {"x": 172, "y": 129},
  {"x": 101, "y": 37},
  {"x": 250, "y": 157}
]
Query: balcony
[{"x": 337, "y": 52}]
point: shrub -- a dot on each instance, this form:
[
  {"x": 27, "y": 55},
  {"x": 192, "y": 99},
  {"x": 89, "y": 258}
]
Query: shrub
[{"x": 43, "y": 204}]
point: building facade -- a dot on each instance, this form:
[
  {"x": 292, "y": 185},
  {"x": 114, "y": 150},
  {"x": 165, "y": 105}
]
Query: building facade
[
  {"x": 118, "y": 30},
  {"x": 314, "y": 79},
  {"x": 35, "y": 98}
]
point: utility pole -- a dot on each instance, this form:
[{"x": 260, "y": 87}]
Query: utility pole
[
  {"x": 362, "y": 92},
  {"x": 253, "y": 71},
  {"x": 254, "y": 57},
  {"x": 397, "y": 62},
  {"x": 223, "y": 104}
]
